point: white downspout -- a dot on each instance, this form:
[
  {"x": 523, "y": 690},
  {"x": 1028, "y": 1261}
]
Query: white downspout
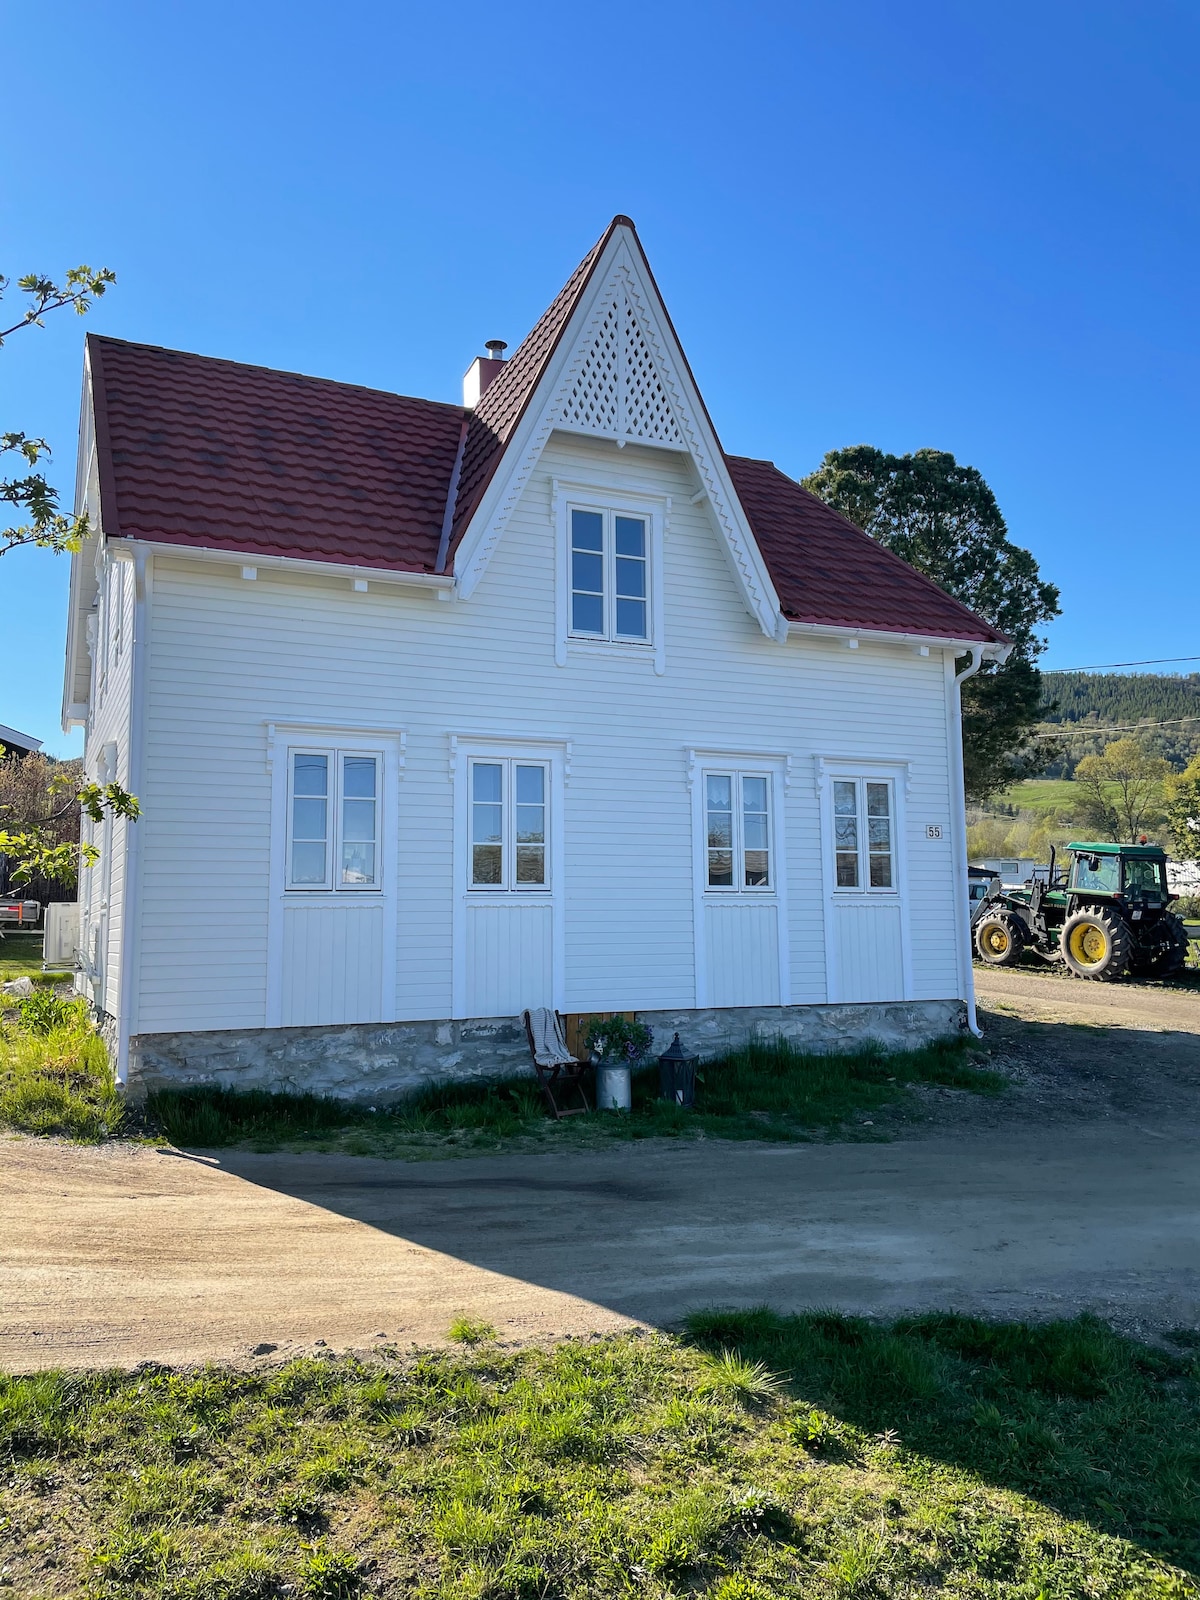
[
  {"x": 131, "y": 915},
  {"x": 962, "y": 907}
]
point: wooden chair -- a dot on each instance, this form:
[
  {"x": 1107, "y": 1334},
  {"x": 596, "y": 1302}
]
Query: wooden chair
[{"x": 561, "y": 1081}]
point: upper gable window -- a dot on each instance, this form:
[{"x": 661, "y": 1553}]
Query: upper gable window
[{"x": 609, "y": 575}]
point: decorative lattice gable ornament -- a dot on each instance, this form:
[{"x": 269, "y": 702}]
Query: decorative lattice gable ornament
[{"x": 615, "y": 387}]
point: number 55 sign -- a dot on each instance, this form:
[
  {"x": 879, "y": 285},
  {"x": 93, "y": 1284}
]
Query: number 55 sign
[{"x": 933, "y": 831}]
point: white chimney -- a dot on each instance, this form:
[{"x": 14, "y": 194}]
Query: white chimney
[{"x": 483, "y": 372}]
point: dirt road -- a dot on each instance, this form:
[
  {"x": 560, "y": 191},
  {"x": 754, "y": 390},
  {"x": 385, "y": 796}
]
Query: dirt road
[
  {"x": 122, "y": 1255},
  {"x": 1042, "y": 996}
]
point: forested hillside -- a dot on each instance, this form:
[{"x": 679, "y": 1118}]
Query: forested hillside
[{"x": 1083, "y": 710}]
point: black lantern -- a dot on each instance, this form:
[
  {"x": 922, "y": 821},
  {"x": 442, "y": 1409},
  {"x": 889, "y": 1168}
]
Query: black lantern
[{"x": 677, "y": 1075}]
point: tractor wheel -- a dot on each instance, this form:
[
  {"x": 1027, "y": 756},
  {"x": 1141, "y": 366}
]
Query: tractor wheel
[
  {"x": 1170, "y": 955},
  {"x": 1095, "y": 944},
  {"x": 1000, "y": 938}
]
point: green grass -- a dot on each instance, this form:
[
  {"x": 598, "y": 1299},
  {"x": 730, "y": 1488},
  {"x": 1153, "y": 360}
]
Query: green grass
[
  {"x": 21, "y": 957},
  {"x": 767, "y": 1091},
  {"x": 54, "y": 1073},
  {"x": 1041, "y": 794},
  {"x": 933, "y": 1456}
]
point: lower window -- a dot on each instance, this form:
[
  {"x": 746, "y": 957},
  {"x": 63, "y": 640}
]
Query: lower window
[
  {"x": 737, "y": 830},
  {"x": 333, "y": 820},
  {"x": 510, "y": 807},
  {"x": 864, "y": 847}
]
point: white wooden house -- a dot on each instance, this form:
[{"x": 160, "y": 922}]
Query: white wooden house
[{"x": 436, "y": 712}]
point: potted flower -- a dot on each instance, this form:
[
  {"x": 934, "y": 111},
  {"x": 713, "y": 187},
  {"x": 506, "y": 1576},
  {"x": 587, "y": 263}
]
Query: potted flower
[{"x": 617, "y": 1047}]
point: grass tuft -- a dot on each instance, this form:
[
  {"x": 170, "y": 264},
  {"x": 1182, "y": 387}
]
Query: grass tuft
[
  {"x": 748, "y": 1381},
  {"x": 54, "y": 1073},
  {"x": 464, "y": 1330}
]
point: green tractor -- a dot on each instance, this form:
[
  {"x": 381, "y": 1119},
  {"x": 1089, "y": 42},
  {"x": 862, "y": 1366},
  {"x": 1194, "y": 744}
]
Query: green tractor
[{"x": 1106, "y": 914}]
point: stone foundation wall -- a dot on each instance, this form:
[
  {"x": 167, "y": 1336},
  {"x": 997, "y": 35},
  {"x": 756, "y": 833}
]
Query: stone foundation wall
[{"x": 378, "y": 1062}]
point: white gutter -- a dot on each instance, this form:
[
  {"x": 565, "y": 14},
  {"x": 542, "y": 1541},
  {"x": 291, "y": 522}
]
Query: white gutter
[
  {"x": 958, "y": 824},
  {"x": 328, "y": 569},
  {"x": 832, "y": 630}
]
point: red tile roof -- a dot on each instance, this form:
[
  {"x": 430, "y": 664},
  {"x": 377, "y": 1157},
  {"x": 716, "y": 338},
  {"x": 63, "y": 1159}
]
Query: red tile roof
[
  {"x": 210, "y": 453},
  {"x": 825, "y": 570},
  {"x": 198, "y": 451}
]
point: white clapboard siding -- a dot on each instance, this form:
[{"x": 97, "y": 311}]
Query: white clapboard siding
[
  {"x": 102, "y": 886},
  {"x": 228, "y": 656},
  {"x": 742, "y": 953},
  {"x": 332, "y": 964},
  {"x": 509, "y": 958},
  {"x": 869, "y": 950}
]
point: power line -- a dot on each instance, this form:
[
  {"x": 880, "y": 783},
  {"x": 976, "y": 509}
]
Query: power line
[
  {"x": 1160, "y": 661},
  {"x": 1104, "y": 727}
]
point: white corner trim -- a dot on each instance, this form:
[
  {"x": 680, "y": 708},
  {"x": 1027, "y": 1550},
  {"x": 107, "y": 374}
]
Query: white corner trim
[{"x": 621, "y": 265}]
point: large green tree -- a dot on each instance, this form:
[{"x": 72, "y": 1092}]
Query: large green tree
[
  {"x": 1121, "y": 791},
  {"x": 943, "y": 519}
]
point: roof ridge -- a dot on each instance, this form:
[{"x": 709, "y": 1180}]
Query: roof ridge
[{"x": 274, "y": 372}]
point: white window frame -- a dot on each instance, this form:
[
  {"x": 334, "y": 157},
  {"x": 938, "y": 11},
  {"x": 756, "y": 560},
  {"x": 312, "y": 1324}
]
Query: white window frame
[
  {"x": 508, "y": 763},
  {"x": 737, "y": 774},
  {"x": 335, "y": 754},
  {"x": 864, "y": 885},
  {"x": 612, "y": 502}
]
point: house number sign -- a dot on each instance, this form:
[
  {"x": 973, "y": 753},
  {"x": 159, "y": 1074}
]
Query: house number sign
[{"x": 933, "y": 831}]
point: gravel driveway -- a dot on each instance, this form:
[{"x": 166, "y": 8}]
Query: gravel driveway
[{"x": 1079, "y": 1189}]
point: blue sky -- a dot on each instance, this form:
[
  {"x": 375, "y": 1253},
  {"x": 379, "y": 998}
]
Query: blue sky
[{"x": 938, "y": 224}]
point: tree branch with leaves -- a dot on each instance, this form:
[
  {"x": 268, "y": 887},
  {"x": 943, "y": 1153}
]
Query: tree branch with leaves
[
  {"x": 35, "y": 846},
  {"x": 44, "y": 522}
]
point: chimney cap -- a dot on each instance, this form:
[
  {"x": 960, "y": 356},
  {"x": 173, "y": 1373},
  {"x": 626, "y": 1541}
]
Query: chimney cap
[{"x": 495, "y": 348}]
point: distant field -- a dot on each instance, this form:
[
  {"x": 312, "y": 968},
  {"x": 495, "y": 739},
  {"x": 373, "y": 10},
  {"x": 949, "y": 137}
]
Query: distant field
[{"x": 1041, "y": 794}]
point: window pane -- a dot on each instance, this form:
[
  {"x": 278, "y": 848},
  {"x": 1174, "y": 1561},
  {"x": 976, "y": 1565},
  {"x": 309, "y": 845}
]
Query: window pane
[
  {"x": 879, "y": 833},
  {"x": 587, "y": 613},
  {"x": 587, "y": 530},
  {"x": 485, "y": 863},
  {"x": 877, "y": 800},
  {"x": 720, "y": 869},
  {"x": 720, "y": 829},
  {"x": 358, "y": 819},
  {"x": 631, "y": 619},
  {"x": 845, "y": 798},
  {"x": 531, "y": 824},
  {"x": 308, "y": 863},
  {"x": 587, "y": 572},
  {"x": 631, "y": 579},
  {"x": 881, "y": 872},
  {"x": 487, "y": 822},
  {"x": 486, "y": 780},
  {"x": 308, "y": 819},
  {"x": 310, "y": 774},
  {"x": 720, "y": 792},
  {"x": 358, "y": 862},
  {"x": 845, "y": 833},
  {"x": 754, "y": 794},
  {"x": 847, "y": 871},
  {"x": 531, "y": 785},
  {"x": 756, "y": 869},
  {"x": 754, "y": 829},
  {"x": 358, "y": 777},
  {"x": 631, "y": 536},
  {"x": 531, "y": 863}
]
